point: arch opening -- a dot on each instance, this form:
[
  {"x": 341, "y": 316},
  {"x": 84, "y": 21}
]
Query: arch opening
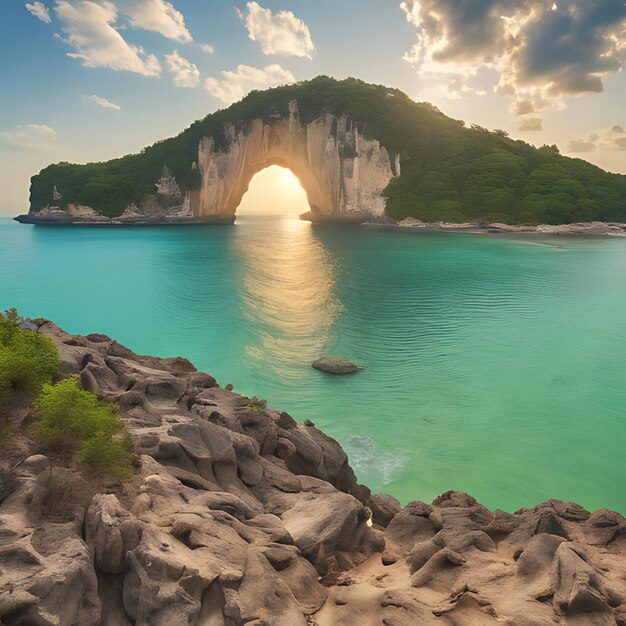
[{"x": 274, "y": 191}]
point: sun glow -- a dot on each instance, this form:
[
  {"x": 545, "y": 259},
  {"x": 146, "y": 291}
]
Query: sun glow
[{"x": 274, "y": 191}]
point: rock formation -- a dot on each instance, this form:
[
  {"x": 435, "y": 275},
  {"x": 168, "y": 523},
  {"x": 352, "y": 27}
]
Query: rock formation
[
  {"x": 335, "y": 365},
  {"x": 343, "y": 173},
  {"x": 239, "y": 515}
]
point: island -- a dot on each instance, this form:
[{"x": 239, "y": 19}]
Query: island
[{"x": 362, "y": 152}]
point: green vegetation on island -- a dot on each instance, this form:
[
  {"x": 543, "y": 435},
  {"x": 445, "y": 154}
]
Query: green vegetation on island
[{"x": 448, "y": 172}]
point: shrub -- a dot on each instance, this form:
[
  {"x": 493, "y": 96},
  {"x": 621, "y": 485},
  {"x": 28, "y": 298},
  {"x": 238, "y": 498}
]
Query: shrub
[
  {"x": 72, "y": 418},
  {"x": 28, "y": 359},
  {"x": 70, "y": 415},
  {"x": 108, "y": 455}
]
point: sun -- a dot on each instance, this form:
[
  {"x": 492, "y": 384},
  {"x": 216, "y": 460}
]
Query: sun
[{"x": 274, "y": 191}]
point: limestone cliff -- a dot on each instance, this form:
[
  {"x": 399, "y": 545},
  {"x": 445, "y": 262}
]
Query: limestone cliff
[{"x": 342, "y": 172}]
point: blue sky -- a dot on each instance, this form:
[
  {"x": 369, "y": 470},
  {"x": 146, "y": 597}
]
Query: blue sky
[{"x": 87, "y": 80}]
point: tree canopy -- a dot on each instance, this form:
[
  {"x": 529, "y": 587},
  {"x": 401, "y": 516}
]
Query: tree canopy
[{"x": 448, "y": 172}]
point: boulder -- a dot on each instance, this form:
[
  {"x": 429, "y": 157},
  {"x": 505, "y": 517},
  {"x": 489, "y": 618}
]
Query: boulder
[{"x": 335, "y": 365}]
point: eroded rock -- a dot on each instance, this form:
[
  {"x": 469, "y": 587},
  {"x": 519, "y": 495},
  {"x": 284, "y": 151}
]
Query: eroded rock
[
  {"x": 335, "y": 365},
  {"x": 238, "y": 514}
]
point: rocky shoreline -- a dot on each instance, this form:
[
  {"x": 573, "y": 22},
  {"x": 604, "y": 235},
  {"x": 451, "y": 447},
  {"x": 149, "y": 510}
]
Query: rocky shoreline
[
  {"x": 91, "y": 218},
  {"x": 133, "y": 220},
  {"x": 237, "y": 514},
  {"x": 597, "y": 229}
]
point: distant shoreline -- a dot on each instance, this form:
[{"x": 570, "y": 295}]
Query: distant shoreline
[
  {"x": 598, "y": 229},
  {"x": 160, "y": 220}
]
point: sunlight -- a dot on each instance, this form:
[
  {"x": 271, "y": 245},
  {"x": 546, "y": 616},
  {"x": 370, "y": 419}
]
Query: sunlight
[{"x": 274, "y": 191}]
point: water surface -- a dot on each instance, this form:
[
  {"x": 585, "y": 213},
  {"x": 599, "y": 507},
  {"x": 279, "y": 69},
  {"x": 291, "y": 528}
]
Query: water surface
[{"x": 493, "y": 365}]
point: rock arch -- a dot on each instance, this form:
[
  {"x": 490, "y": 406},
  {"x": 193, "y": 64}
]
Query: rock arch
[{"x": 342, "y": 173}]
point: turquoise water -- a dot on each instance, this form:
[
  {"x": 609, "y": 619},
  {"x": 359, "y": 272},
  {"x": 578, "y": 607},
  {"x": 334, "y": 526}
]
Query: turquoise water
[{"x": 495, "y": 366}]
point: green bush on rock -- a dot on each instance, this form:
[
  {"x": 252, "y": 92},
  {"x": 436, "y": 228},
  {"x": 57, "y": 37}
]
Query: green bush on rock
[
  {"x": 28, "y": 359},
  {"x": 108, "y": 455},
  {"x": 70, "y": 415},
  {"x": 72, "y": 418}
]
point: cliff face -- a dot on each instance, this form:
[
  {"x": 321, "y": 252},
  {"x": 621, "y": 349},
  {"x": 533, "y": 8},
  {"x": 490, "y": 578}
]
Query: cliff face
[
  {"x": 239, "y": 515},
  {"x": 342, "y": 173}
]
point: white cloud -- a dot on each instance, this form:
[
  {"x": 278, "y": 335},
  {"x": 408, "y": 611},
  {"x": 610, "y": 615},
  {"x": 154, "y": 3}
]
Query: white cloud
[
  {"x": 40, "y": 11},
  {"x": 103, "y": 102},
  {"x": 158, "y": 16},
  {"x": 41, "y": 129},
  {"x": 89, "y": 29},
  {"x": 281, "y": 33},
  {"x": 609, "y": 139},
  {"x": 186, "y": 74},
  {"x": 542, "y": 51},
  {"x": 208, "y": 48},
  {"x": 234, "y": 85},
  {"x": 30, "y": 136}
]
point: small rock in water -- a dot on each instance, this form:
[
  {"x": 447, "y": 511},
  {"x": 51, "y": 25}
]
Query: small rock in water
[{"x": 335, "y": 365}]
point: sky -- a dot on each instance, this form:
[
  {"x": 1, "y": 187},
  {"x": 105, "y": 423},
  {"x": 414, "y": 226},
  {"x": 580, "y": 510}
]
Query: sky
[{"x": 89, "y": 80}]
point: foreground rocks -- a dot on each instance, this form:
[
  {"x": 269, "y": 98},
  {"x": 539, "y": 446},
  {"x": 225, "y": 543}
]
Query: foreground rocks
[{"x": 239, "y": 515}]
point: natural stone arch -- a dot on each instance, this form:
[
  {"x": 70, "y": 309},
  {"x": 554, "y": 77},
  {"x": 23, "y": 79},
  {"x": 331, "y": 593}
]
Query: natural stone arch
[
  {"x": 274, "y": 190},
  {"x": 342, "y": 173},
  {"x": 308, "y": 182}
]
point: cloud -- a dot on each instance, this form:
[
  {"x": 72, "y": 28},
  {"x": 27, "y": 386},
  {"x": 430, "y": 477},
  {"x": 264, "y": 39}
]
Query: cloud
[
  {"x": 103, "y": 102},
  {"x": 234, "y": 85},
  {"x": 208, "y": 48},
  {"x": 611, "y": 139},
  {"x": 158, "y": 16},
  {"x": 530, "y": 124},
  {"x": 40, "y": 11},
  {"x": 186, "y": 74},
  {"x": 40, "y": 129},
  {"x": 543, "y": 51},
  {"x": 279, "y": 34},
  {"x": 89, "y": 29},
  {"x": 30, "y": 137}
]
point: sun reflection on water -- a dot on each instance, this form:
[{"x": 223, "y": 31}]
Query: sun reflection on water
[{"x": 286, "y": 288}]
